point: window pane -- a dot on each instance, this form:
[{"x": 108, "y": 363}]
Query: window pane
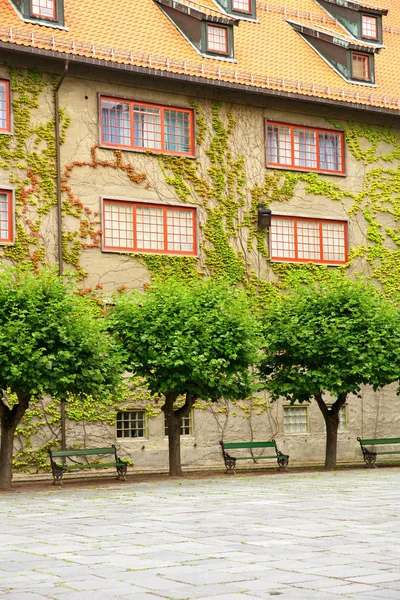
[
  {"x": 295, "y": 419},
  {"x": 147, "y": 127},
  {"x": 118, "y": 225},
  {"x": 360, "y": 66},
  {"x": 130, "y": 424},
  {"x": 115, "y": 122},
  {"x": 177, "y": 131},
  {"x": 44, "y": 8},
  {"x": 242, "y": 5},
  {"x": 369, "y": 27},
  {"x": 217, "y": 39},
  {"x": 5, "y": 218},
  {"x": 308, "y": 242},
  {"x": 180, "y": 230},
  {"x": 149, "y": 228},
  {"x": 330, "y": 151},
  {"x": 305, "y": 149},
  {"x": 3, "y": 105},
  {"x": 282, "y": 238},
  {"x": 333, "y": 240},
  {"x": 279, "y": 145}
]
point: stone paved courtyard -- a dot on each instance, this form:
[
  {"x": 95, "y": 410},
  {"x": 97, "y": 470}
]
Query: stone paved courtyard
[{"x": 309, "y": 536}]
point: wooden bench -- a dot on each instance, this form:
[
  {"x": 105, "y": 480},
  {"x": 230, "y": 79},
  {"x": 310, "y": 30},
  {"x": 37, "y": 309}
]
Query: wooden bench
[
  {"x": 59, "y": 469},
  {"x": 230, "y": 461},
  {"x": 369, "y": 456}
]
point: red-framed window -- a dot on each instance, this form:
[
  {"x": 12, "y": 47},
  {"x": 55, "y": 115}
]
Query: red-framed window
[
  {"x": 300, "y": 239},
  {"x": 143, "y": 126},
  {"x": 44, "y": 8},
  {"x": 369, "y": 27},
  {"x": 217, "y": 39},
  {"x": 360, "y": 67},
  {"x": 6, "y": 221},
  {"x": 145, "y": 227},
  {"x": 241, "y": 5},
  {"x": 5, "y": 109},
  {"x": 305, "y": 148}
]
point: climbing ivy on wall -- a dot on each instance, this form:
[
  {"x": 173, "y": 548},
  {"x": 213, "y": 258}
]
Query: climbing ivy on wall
[{"x": 218, "y": 183}]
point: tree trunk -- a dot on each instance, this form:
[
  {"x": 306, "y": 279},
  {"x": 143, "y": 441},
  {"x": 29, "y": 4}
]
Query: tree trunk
[
  {"x": 173, "y": 419},
  {"x": 6, "y": 455},
  {"x": 332, "y": 424},
  {"x": 174, "y": 442},
  {"x": 331, "y": 416},
  {"x": 9, "y": 420}
]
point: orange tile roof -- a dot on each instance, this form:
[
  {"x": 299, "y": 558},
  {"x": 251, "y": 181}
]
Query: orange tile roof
[{"x": 269, "y": 54}]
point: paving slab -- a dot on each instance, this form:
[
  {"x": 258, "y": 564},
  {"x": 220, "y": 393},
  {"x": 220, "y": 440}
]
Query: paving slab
[{"x": 309, "y": 536}]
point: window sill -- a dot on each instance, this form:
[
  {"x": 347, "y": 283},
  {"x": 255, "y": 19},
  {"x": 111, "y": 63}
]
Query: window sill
[
  {"x": 134, "y": 253},
  {"x": 305, "y": 170},
  {"x": 307, "y": 262},
  {"x": 105, "y": 146}
]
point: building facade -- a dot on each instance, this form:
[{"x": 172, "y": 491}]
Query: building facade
[{"x": 146, "y": 147}]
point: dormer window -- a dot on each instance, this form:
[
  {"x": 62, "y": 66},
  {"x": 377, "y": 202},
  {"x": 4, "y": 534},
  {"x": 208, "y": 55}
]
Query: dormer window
[
  {"x": 360, "y": 67},
  {"x": 240, "y": 9},
  {"x": 44, "y": 12},
  {"x": 46, "y": 9},
  {"x": 208, "y": 30},
  {"x": 217, "y": 39},
  {"x": 241, "y": 5},
  {"x": 369, "y": 27}
]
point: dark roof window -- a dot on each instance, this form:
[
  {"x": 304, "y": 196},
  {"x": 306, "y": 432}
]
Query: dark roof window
[
  {"x": 360, "y": 20},
  {"x": 369, "y": 27},
  {"x": 217, "y": 39},
  {"x": 360, "y": 67},
  {"x": 46, "y": 9}
]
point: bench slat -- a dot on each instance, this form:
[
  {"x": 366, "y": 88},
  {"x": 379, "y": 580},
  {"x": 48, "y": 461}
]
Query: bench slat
[
  {"x": 92, "y": 466},
  {"x": 232, "y": 445},
  {"x": 372, "y": 442},
  {"x": 82, "y": 452},
  {"x": 257, "y": 457},
  {"x": 391, "y": 452}
]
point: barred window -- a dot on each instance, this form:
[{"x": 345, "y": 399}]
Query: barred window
[
  {"x": 136, "y": 227},
  {"x": 131, "y": 424},
  {"x": 295, "y": 419},
  {"x": 140, "y": 126},
  {"x": 297, "y": 239},
  {"x": 186, "y": 425},
  {"x": 305, "y": 148}
]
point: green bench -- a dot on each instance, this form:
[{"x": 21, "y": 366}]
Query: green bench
[
  {"x": 230, "y": 461},
  {"x": 369, "y": 455},
  {"x": 59, "y": 469}
]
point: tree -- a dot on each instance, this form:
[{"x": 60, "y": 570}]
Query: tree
[
  {"x": 189, "y": 342},
  {"x": 52, "y": 341},
  {"x": 328, "y": 340}
]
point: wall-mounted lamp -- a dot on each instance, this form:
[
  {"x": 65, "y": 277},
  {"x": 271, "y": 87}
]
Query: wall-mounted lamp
[{"x": 264, "y": 217}]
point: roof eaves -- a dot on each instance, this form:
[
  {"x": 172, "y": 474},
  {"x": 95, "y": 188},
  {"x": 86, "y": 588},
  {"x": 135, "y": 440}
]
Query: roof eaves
[
  {"x": 199, "y": 11},
  {"x": 358, "y": 6},
  {"x": 334, "y": 37}
]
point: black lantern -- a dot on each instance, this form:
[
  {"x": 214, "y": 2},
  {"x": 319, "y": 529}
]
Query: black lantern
[{"x": 264, "y": 217}]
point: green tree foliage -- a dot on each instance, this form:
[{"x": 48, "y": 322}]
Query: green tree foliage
[
  {"x": 189, "y": 342},
  {"x": 52, "y": 341},
  {"x": 324, "y": 341}
]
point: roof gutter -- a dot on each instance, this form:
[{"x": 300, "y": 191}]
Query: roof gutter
[
  {"x": 58, "y": 167},
  {"x": 215, "y": 83}
]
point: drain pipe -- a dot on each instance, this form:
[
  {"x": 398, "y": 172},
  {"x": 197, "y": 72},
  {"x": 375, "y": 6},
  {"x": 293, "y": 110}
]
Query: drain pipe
[
  {"x": 58, "y": 167},
  {"x": 59, "y": 223}
]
